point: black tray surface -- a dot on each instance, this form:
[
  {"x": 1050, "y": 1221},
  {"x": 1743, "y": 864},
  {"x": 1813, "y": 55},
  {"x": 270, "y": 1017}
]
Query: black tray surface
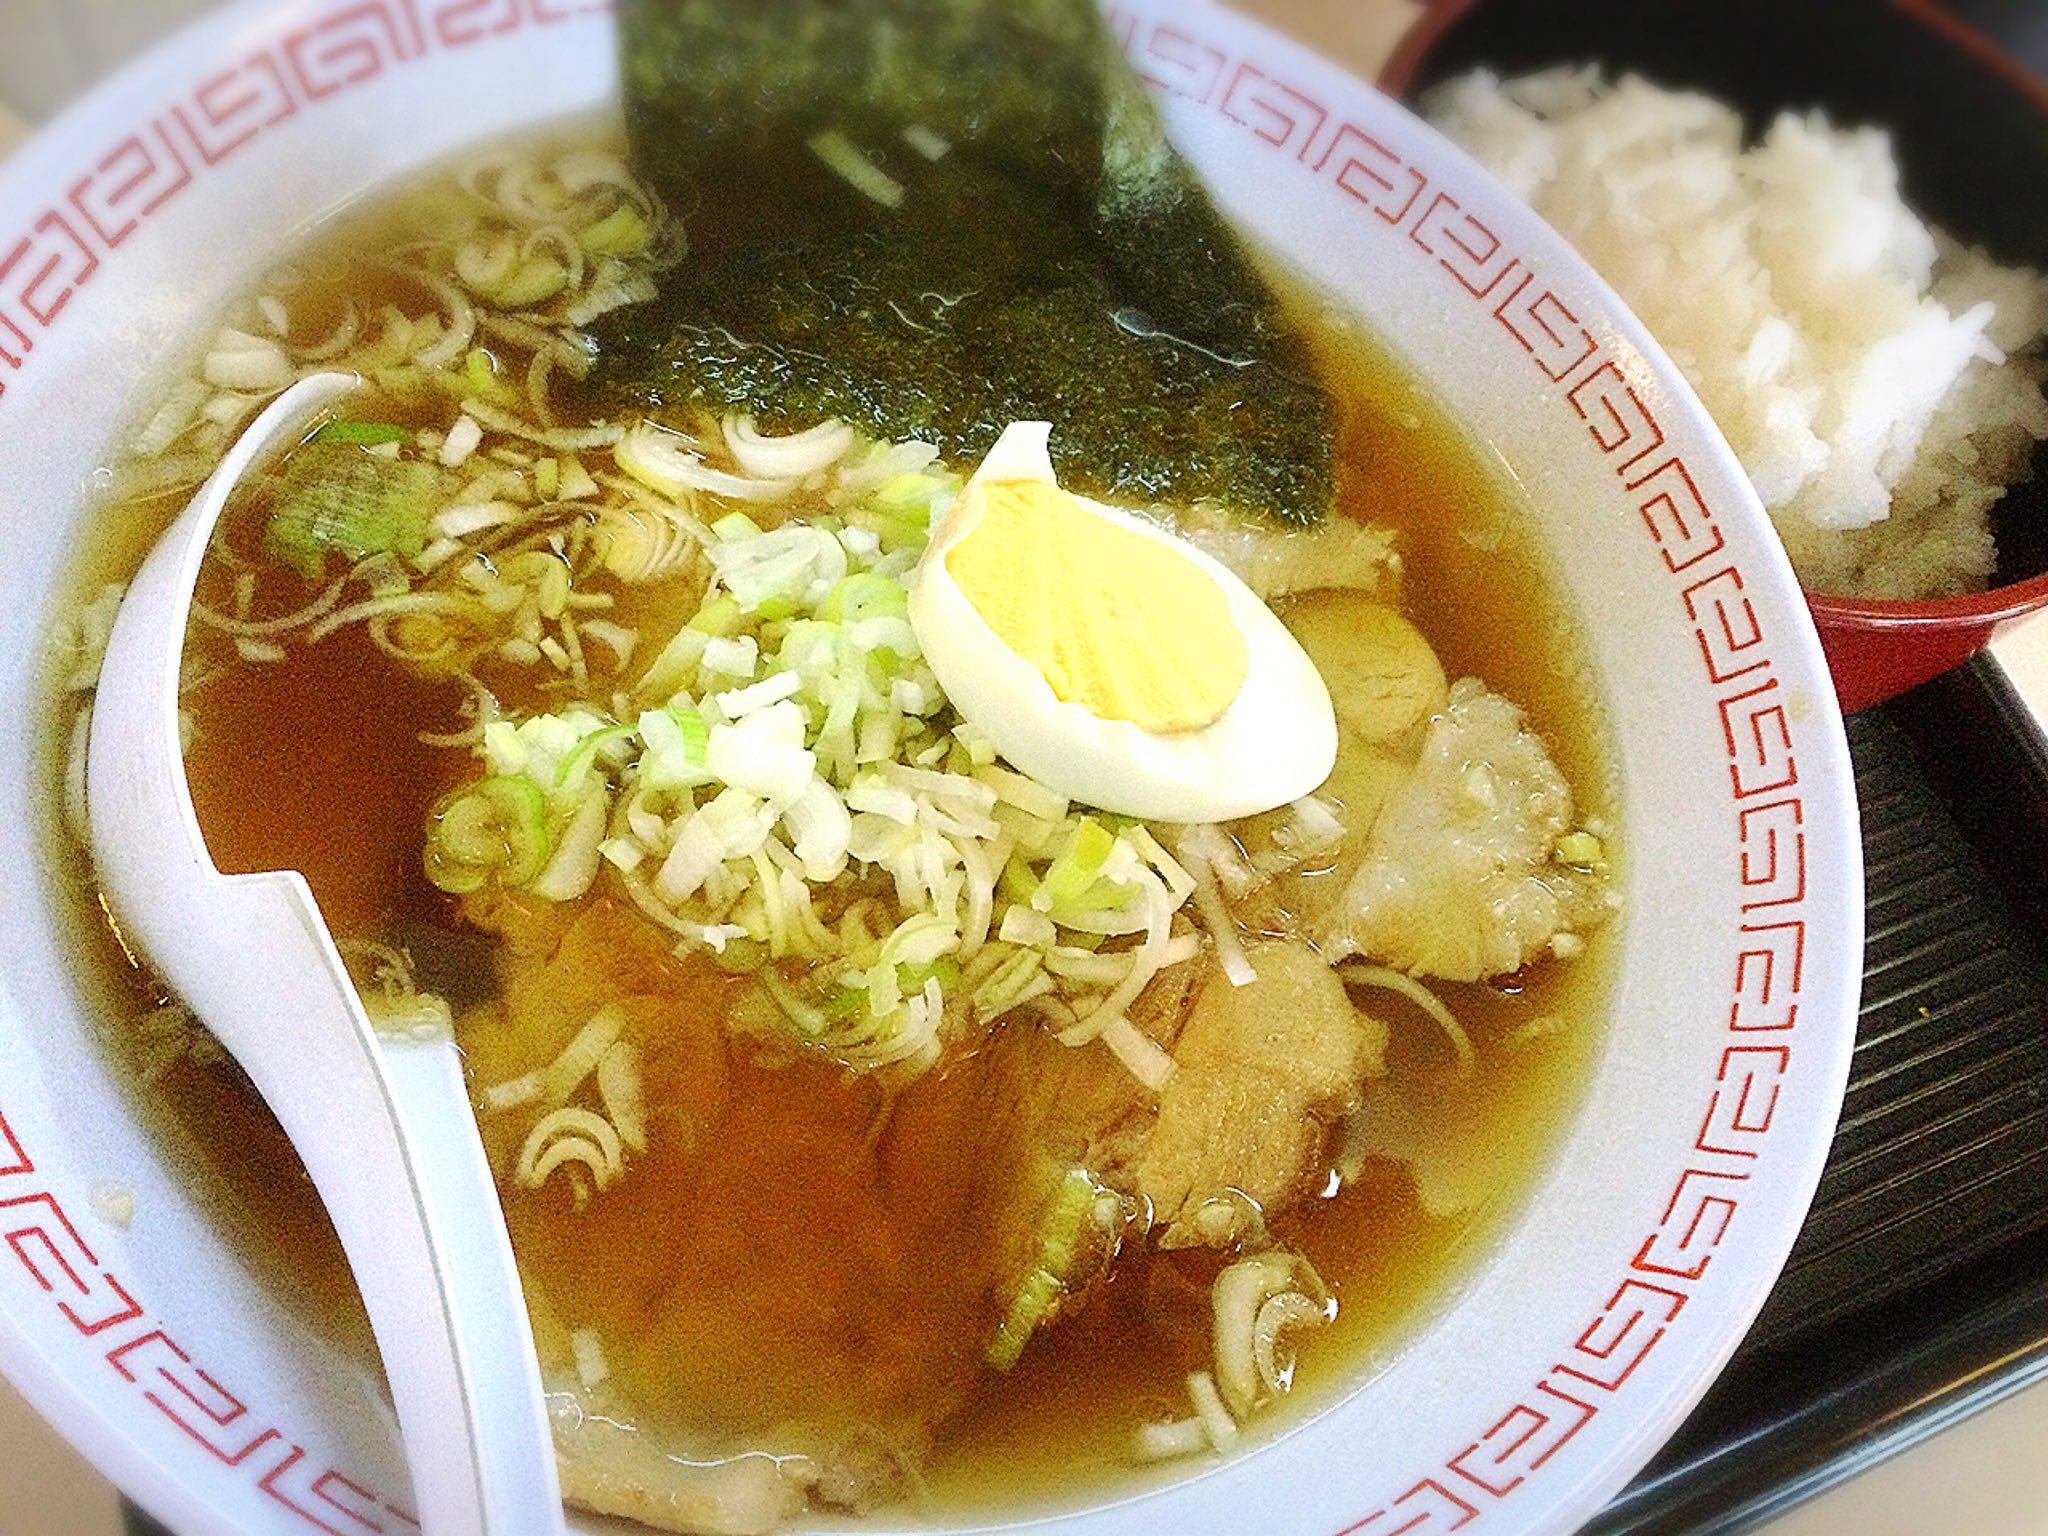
[{"x": 1918, "y": 1289}]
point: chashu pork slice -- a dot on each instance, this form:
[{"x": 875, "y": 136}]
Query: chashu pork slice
[
  {"x": 1276, "y": 560},
  {"x": 611, "y": 1466},
  {"x": 765, "y": 1295},
  {"x": 1262, "y": 1072},
  {"x": 1459, "y": 879},
  {"x": 799, "y": 1280}
]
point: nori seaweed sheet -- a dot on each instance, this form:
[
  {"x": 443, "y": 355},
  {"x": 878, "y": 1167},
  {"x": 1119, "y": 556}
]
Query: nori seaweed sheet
[{"x": 1060, "y": 262}]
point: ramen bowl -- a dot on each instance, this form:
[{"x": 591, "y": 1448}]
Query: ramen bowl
[
  {"x": 1968, "y": 122},
  {"x": 133, "y": 1313}
]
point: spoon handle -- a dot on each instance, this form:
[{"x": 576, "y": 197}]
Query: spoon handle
[
  {"x": 385, "y": 1130},
  {"x": 390, "y": 1145},
  {"x": 487, "y": 1318}
]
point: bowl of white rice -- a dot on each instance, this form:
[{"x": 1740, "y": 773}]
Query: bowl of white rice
[{"x": 1814, "y": 208}]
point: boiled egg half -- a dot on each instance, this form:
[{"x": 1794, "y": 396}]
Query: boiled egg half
[{"x": 1109, "y": 659}]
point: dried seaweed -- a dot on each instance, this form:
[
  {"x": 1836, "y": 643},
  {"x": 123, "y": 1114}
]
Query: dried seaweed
[{"x": 1058, "y": 261}]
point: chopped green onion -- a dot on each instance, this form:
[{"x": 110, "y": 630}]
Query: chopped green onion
[
  {"x": 1032, "y": 1304},
  {"x": 334, "y": 497},
  {"x": 623, "y": 852},
  {"x": 1074, "y": 872},
  {"x": 498, "y": 827},
  {"x": 1027, "y": 795},
  {"x": 718, "y": 618},
  {"x": 975, "y": 744},
  {"x": 1017, "y": 882},
  {"x": 1007, "y": 987},
  {"x": 481, "y": 371},
  {"x": 545, "y": 573},
  {"x": 864, "y": 596},
  {"x": 741, "y": 956},
  {"x": 362, "y": 433},
  {"x": 1078, "y": 1205},
  {"x": 409, "y": 1015},
  {"x": 808, "y": 1021},
  {"x": 695, "y": 733},
  {"x": 622, "y": 232},
  {"x": 919, "y": 940},
  {"x": 945, "y": 970},
  {"x": 848, "y": 1002},
  {"x": 732, "y": 658},
  {"x": 573, "y": 866},
  {"x": 931, "y": 145},
  {"x": 856, "y": 169},
  {"x": 1582, "y": 851},
  {"x": 673, "y": 669},
  {"x": 569, "y": 773},
  {"x": 538, "y": 279},
  {"x": 777, "y": 573}
]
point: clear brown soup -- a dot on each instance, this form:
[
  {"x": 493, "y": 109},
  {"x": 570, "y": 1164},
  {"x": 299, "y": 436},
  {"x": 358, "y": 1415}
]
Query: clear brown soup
[{"x": 316, "y": 764}]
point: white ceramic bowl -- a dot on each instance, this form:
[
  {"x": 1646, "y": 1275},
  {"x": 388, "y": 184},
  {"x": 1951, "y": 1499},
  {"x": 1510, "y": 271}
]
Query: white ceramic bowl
[{"x": 1604, "y": 1310}]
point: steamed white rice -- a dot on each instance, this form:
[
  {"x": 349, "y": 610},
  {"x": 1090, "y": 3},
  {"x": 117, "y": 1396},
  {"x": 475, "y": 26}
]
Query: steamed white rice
[{"x": 1881, "y": 384}]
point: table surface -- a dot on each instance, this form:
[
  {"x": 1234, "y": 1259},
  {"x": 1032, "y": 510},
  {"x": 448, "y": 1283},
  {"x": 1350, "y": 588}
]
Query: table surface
[{"x": 1985, "y": 1477}]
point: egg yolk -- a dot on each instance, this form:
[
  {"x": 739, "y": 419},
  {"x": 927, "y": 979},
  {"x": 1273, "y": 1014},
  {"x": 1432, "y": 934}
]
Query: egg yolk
[{"x": 1115, "y": 622}]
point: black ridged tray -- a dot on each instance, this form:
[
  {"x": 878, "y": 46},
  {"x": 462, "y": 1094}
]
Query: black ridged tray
[{"x": 1918, "y": 1290}]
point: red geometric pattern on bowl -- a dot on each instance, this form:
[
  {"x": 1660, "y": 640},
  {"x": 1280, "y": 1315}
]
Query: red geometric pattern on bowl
[
  {"x": 165, "y": 1378},
  {"x": 1736, "y": 657},
  {"x": 143, "y": 170},
  {"x": 64, "y": 249}
]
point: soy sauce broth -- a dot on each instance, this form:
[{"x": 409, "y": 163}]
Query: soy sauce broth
[{"x": 316, "y": 764}]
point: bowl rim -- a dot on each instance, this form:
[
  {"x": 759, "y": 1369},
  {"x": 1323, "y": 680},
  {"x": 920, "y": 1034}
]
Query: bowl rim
[
  {"x": 1831, "y": 610},
  {"x": 1991, "y": 606},
  {"x": 1397, "y": 75}
]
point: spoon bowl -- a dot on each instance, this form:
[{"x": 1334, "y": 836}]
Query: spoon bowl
[{"x": 381, "y": 1122}]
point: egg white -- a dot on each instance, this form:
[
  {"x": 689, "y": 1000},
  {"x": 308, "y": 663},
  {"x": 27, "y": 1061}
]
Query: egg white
[{"x": 1276, "y": 742}]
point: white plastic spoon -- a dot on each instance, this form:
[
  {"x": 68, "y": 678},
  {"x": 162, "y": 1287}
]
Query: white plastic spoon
[{"x": 383, "y": 1124}]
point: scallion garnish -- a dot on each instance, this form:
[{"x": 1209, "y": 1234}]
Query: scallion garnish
[{"x": 364, "y": 434}]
